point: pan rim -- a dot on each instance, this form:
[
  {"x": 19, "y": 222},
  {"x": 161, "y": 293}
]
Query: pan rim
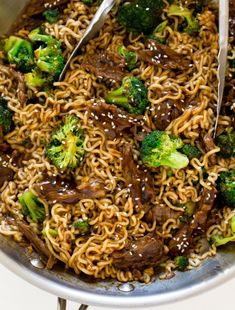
[{"x": 95, "y": 299}]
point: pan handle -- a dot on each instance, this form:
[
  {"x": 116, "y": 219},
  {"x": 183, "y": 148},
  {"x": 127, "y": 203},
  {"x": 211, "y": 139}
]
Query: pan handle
[{"x": 62, "y": 304}]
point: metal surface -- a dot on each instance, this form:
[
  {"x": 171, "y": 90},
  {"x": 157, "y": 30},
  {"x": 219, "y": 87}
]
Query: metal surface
[
  {"x": 9, "y": 11},
  {"x": 61, "y": 304},
  {"x": 223, "y": 51},
  {"x": 213, "y": 272},
  {"x": 95, "y": 25}
]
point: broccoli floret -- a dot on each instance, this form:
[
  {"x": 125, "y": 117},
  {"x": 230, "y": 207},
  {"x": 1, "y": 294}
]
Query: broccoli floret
[
  {"x": 32, "y": 207},
  {"x": 140, "y": 16},
  {"x": 51, "y": 60},
  {"x": 88, "y": 2},
  {"x": 48, "y": 59},
  {"x": 82, "y": 226},
  {"x": 130, "y": 57},
  {"x": 65, "y": 149},
  {"x": 20, "y": 53},
  {"x": 160, "y": 149},
  {"x": 181, "y": 262},
  {"x": 191, "y": 151},
  {"x": 5, "y": 116},
  {"x": 132, "y": 96},
  {"x": 192, "y": 22},
  {"x": 35, "y": 79},
  {"x": 39, "y": 36},
  {"x": 52, "y": 16},
  {"x": 218, "y": 240},
  {"x": 226, "y": 142},
  {"x": 226, "y": 184},
  {"x": 189, "y": 208}
]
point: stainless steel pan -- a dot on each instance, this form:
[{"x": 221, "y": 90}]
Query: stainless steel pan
[{"x": 66, "y": 285}]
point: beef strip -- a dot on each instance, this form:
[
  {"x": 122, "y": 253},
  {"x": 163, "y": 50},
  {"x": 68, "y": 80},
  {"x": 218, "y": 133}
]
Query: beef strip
[
  {"x": 145, "y": 251},
  {"x": 168, "y": 110},
  {"x": 183, "y": 238},
  {"x": 6, "y": 173},
  {"x": 162, "y": 213},
  {"x": 31, "y": 17},
  {"x": 55, "y": 189},
  {"x": 33, "y": 238},
  {"x": 137, "y": 180},
  {"x": 112, "y": 120},
  {"x": 106, "y": 65},
  {"x": 162, "y": 56},
  {"x": 209, "y": 145}
]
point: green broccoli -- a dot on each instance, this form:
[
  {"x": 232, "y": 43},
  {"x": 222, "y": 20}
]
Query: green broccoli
[
  {"x": 140, "y": 15},
  {"x": 226, "y": 185},
  {"x": 51, "y": 15},
  {"x": 49, "y": 59},
  {"x": 88, "y": 2},
  {"x": 181, "y": 262},
  {"x": 189, "y": 208},
  {"x": 219, "y": 240},
  {"x": 192, "y": 22},
  {"x": 36, "y": 79},
  {"x": 226, "y": 142},
  {"x": 130, "y": 57},
  {"x": 32, "y": 207},
  {"x": 65, "y": 149},
  {"x": 160, "y": 149},
  {"x": 38, "y": 35},
  {"x": 82, "y": 226},
  {"x": 5, "y": 116},
  {"x": 20, "y": 53},
  {"x": 191, "y": 151},
  {"x": 132, "y": 96}
]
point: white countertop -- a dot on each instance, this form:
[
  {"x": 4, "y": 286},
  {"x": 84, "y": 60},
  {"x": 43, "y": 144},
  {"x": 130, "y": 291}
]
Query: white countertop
[{"x": 16, "y": 294}]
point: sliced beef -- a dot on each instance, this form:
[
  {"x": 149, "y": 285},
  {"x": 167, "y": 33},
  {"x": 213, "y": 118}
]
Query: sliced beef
[
  {"x": 183, "y": 237},
  {"x": 138, "y": 181},
  {"x": 33, "y": 238},
  {"x": 112, "y": 120},
  {"x": 209, "y": 145},
  {"x": 206, "y": 204},
  {"x": 145, "y": 251},
  {"x": 31, "y": 16},
  {"x": 162, "y": 56},
  {"x": 161, "y": 214},
  {"x": 106, "y": 65},
  {"x": 6, "y": 173},
  {"x": 55, "y": 189},
  {"x": 168, "y": 110}
]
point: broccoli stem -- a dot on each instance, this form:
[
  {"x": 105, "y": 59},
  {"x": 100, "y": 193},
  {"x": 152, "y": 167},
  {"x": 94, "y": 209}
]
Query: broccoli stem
[{"x": 176, "y": 160}]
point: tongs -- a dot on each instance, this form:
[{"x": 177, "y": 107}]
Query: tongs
[
  {"x": 223, "y": 50},
  {"x": 95, "y": 25}
]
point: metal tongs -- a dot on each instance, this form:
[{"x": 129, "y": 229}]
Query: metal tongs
[
  {"x": 223, "y": 50},
  {"x": 95, "y": 25}
]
